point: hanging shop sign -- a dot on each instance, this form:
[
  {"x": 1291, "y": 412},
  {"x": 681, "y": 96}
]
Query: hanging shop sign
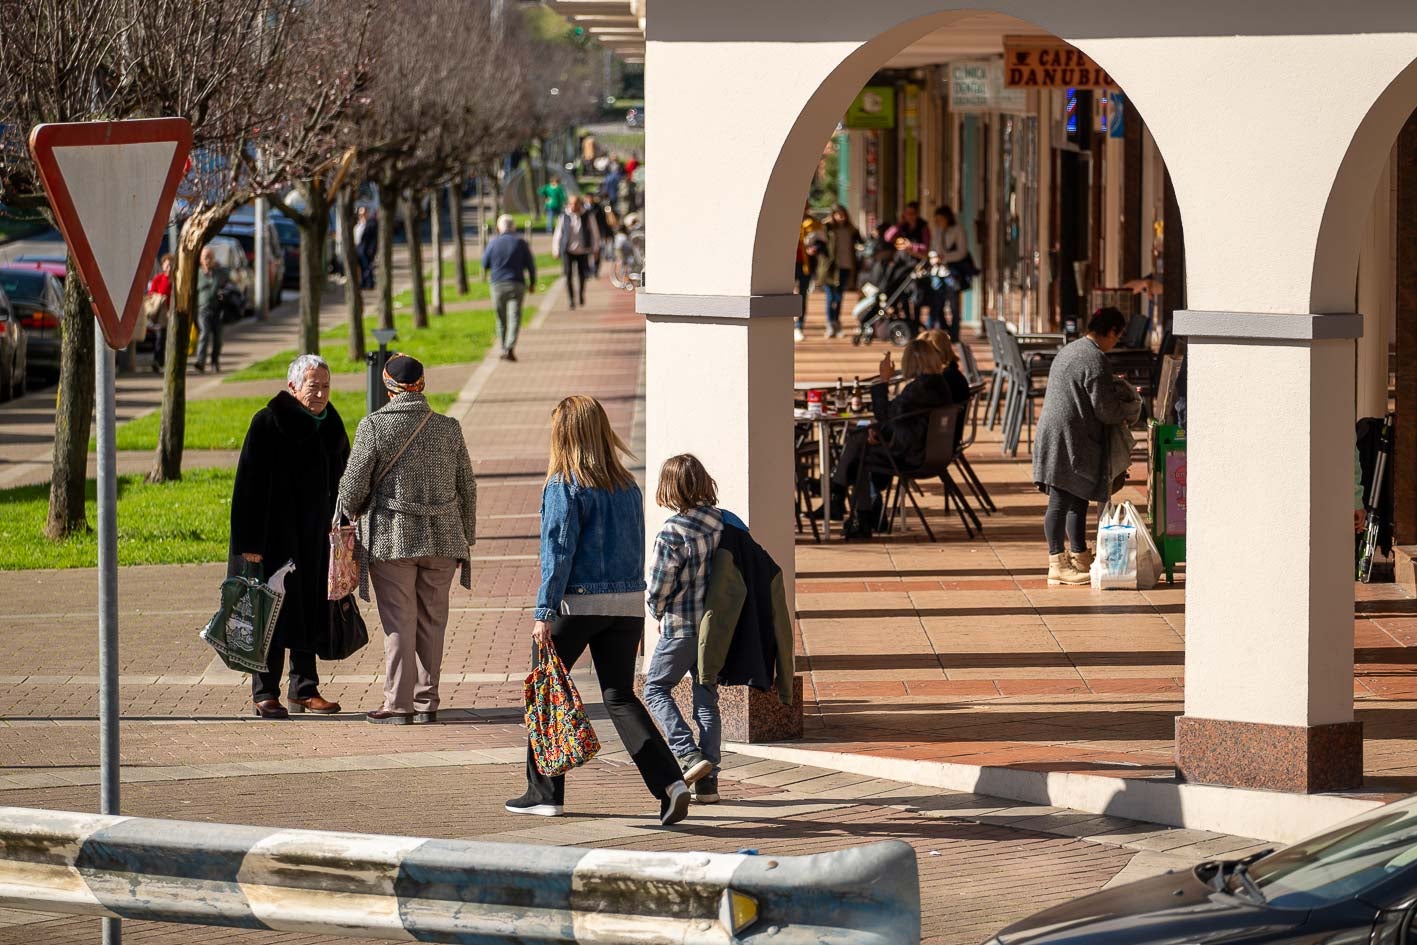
[
  {"x": 873, "y": 108},
  {"x": 978, "y": 86},
  {"x": 1031, "y": 63}
]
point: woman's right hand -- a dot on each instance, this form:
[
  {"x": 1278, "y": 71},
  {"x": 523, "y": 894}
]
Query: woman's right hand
[{"x": 887, "y": 368}]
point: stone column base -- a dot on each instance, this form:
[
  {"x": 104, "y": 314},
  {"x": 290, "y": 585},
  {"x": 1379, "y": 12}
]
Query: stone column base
[
  {"x": 1292, "y": 758},
  {"x": 749, "y": 716}
]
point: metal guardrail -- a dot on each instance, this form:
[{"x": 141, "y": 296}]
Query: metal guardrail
[{"x": 408, "y": 888}]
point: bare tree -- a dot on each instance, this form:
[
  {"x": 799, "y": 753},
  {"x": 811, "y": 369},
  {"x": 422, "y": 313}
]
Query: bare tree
[{"x": 58, "y": 63}]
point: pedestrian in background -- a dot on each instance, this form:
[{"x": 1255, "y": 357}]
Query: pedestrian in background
[
  {"x": 592, "y": 595},
  {"x": 681, "y": 564},
  {"x": 157, "y": 308},
  {"x": 574, "y": 242},
  {"x": 811, "y": 240},
  {"x": 211, "y": 281},
  {"x": 510, "y": 265},
  {"x": 843, "y": 239},
  {"x": 281, "y": 506},
  {"x": 947, "y": 240},
  {"x": 366, "y": 245},
  {"x": 1070, "y": 447},
  {"x": 604, "y": 235},
  {"x": 553, "y": 197},
  {"x": 410, "y": 482}
]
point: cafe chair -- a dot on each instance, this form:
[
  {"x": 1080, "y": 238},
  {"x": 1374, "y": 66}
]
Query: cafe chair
[
  {"x": 939, "y": 457},
  {"x": 961, "y": 462}
]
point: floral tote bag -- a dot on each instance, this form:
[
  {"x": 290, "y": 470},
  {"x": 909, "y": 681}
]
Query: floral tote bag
[
  {"x": 561, "y": 735},
  {"x": 344, "y": 568}
]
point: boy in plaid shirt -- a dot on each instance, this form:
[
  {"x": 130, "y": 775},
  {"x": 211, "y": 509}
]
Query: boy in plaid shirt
[{"x": 678, "y": 584}]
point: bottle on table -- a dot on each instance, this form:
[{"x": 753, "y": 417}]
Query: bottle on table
[
  {"x": 839, "y": 405},
  {"x": 856, "y": 403}
]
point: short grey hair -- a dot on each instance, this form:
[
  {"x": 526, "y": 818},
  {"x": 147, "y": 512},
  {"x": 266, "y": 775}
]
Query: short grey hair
[
  {"x": 506, "y": 223},
  {"x": 303, "y": 365}
]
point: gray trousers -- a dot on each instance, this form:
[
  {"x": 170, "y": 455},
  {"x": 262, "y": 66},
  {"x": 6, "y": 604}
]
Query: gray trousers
[
  {"x": 209, "y": 327},
  {"x": 507, "y": 297},
  {"x": 412, "y": 594}
]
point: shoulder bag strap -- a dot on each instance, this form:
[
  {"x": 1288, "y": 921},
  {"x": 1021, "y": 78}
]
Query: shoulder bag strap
[{"x": 406, "y": 444}]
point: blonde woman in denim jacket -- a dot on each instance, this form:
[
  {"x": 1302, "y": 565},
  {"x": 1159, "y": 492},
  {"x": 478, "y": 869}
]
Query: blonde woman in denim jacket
[{"x": 592, "y": 595}]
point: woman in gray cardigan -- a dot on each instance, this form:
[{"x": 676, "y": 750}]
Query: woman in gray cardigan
[
  {"x": 410, "y": 480},
  {"x": 1070, "y": 452}
]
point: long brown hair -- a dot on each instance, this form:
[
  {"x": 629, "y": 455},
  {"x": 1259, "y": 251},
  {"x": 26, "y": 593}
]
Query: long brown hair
[
  {"x": 585, "y": 448},
  {"x": 941, "y": 340},
  {"x": 685, "y": 484},
  {"x": 920, "y": 357}
]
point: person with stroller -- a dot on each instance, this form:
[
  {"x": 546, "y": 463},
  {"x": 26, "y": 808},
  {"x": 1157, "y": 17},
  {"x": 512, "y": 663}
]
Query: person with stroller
[
  {"x": 948, "y": 243},
  {"x": 892, "y": 273},
  {"x": 895, "y": 440}
]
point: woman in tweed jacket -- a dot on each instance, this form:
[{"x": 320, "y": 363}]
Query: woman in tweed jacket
[{"x": 417, "y": 519}]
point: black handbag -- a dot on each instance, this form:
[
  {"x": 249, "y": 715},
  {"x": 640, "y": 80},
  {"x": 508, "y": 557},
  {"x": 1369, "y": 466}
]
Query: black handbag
[{"x": 346, "y": 634}]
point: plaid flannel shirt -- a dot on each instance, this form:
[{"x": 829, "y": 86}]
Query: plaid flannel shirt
[{"x": 679, "y": 573}]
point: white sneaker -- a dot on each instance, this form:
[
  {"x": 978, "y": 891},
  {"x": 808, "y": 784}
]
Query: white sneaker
[
  {"x": 527, "y": 805},
  {"x": 798, "y": 335}
]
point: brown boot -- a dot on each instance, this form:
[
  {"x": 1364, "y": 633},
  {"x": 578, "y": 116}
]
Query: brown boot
[
  {"x": 317, "y": 704},
  {"x": 1061, "y": 571}
]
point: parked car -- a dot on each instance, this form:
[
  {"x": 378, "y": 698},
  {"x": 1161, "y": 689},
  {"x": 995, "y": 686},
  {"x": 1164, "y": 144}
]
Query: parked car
[
  {"x": 231, "y": 257},
  {"x": 12, "y": 350},
  {"x": 1353, "y": 883},
  {"x": 242, "y": 228},
  {"x": 37, "y": 300},
  {"x": 56, "y": 266}
]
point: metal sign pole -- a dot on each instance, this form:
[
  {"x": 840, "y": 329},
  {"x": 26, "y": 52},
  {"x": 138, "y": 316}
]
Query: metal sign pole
[{"x": 109, "y": 761}]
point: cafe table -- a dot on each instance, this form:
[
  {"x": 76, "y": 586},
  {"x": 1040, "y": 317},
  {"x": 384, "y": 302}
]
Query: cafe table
[{"x": 828, "y": 425}]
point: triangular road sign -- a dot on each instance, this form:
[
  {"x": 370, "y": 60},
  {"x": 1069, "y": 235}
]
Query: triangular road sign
[{"x": 111, "y": 185}]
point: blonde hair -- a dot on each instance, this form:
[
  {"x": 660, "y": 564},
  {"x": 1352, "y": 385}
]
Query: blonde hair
[
  {"x": 941, "y": 340},
  {"x": 585, "y": 449},
  {"x": 685, "y": 484},
  {"x": 920, "y": 357}
]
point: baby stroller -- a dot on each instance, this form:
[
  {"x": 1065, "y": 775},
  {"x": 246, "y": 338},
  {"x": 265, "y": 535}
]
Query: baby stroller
[{"x": 882, "y": 311}]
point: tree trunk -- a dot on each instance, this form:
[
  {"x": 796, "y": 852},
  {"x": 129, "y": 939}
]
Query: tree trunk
[
  {"x": 459, "y": 238},
  {"x": 415, "y": 260},
  {"x": 435, "y": 207},
  {"x": 312, "y": 265},
  {"x": 353, "y": 298},
  {"x": 384, "y": 277},
  {"x": 74, "y": 416},
  {"x": 198, "y": 228}
]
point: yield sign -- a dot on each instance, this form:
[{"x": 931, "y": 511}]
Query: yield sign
[{"x": 111, "y": 184}]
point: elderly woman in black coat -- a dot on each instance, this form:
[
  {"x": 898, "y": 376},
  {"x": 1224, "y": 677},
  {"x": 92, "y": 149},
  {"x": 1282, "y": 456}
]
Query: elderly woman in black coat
[
  {"x": 896, "y": 440},
  {"x": 1070, "y": 450},
  {"x": 287, "y": 481}
]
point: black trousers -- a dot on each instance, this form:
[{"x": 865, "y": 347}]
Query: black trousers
[
  {"x": 613, "y": 643},
  {"x": 862, "y": 462},
  {"x": 1065, "y": 518},
  {"x": 304, "y": 680},
  {"x": 576, "y": 268}
]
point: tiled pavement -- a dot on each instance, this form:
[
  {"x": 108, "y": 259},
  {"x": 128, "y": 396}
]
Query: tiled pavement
[{"x": 190, "y": 753}]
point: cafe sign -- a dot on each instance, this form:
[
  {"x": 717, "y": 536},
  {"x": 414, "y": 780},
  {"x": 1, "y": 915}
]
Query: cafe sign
[{"x": 1034, "y": 63}]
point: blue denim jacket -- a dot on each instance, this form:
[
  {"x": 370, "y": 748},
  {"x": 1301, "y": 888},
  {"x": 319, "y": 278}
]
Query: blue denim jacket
[{"x": 592, "y": 542}]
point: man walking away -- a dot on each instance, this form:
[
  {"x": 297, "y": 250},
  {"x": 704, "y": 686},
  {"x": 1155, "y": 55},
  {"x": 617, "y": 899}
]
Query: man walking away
[
  {"x": 511, "y": 267},
  {"x": 366, "y": 245},
  {"x": 211, "y": 279},
  {"x": 554, "y": 196},
  {"x": 604, "y": 235},
  {"x": 574, "y": 242}
]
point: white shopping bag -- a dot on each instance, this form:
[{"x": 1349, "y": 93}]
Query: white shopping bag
[
  {"x": 1149, "y": 565},
  {"x": 1114, "y": 565}
]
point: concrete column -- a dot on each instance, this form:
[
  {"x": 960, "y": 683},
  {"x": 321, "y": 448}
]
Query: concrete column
[
  {"x": 718, "y": 384},
  {"x": 1377, "y": 298},
  {"x": 1269, "y": 600}
]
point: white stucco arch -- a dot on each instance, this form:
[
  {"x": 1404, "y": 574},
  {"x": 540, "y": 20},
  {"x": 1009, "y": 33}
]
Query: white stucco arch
[{"x": 1351, "y": 194}]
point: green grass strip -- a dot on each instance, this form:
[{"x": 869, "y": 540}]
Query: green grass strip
[
  {"x": 547, "y": 269},
  {"x": 221, "y": 423},
  {"x": 454, "y": 338},
  {"x": 173, "y": 523}
]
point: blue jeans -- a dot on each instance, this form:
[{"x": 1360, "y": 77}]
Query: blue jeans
[
  {"x": 673, "y": 657},
  {"x": 835, "y": 291}
]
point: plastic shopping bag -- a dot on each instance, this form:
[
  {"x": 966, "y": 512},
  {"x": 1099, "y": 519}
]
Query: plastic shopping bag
[
  {"x": 1114, "y": 565},
  {"x": 1149, "y": 566},
  {"x": 241, "y": 629},
  {"x": 556, "y": 723},
  {"x": 344, "y": 569}
]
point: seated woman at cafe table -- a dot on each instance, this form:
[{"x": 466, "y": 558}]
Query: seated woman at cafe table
[{"x": 898, "y": 434}]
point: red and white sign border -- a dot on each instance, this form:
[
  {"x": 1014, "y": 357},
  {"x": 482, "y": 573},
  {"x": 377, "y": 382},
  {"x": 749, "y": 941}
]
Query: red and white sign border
[{"x": 116, "y": 320}]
